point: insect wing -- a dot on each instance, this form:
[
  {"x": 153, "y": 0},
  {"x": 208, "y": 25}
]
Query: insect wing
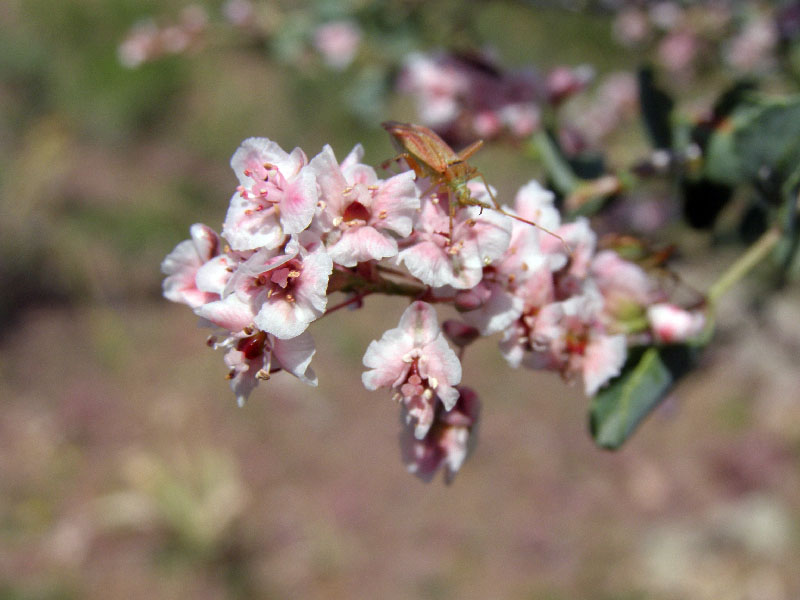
[{"x": 423, "y": 144}]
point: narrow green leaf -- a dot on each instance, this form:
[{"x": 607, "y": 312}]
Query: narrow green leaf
[
  {"x": 619, "y": 408},
  {"x": 733, "y": 97},
  {"x": 544, "y": 148},
  {"x": 656, "y": 110}
]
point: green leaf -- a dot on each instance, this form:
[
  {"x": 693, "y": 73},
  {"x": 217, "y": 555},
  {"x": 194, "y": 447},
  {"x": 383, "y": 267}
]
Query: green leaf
[
  {"x": 656, "y": 110},
  {"x": 760, "y": 140},
  {"x": 619, "y": 408},
  {"x": 771, "y": 140},
  {"x": 722, "y": 163},
  {"x": 733, "y": 97}
]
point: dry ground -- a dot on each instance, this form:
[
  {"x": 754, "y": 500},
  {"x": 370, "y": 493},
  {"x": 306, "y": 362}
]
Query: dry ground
[{"x": 128, "y": 472}]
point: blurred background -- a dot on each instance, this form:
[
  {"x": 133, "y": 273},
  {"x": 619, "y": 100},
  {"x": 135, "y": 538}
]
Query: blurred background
[{"x": 126, "y": 469}]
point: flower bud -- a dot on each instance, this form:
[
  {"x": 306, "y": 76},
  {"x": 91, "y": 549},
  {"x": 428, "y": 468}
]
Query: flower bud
[
  {"x": 459, "y": 333},
  {"x": 672, "y": 324}
]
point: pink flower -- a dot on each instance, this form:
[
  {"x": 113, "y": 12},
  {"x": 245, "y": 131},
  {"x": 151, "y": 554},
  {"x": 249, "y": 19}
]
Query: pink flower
[
  {"x": 752, "y": 48},
  {"x": 671, "y": 324},
  {"x": 580, "y": 239},
  {"x": 576, "y": 342},
  {"x": 225, "y": 311},
  {"x": 503, "y": 293},
  {"x": 337, "y": 42},
  {"x": 231, "y": 314},
  {"x": 616, "y": 99},
  {"x": 360, "y": 213},
  {"x": 146, "y": 41},
  {"x": 563, "y": 82},
  {"x": 258, "y": 355},
  {"x": 520, "y": 118},
  {"x": 438, "y": 83},
  {"x": 625, "y": 286},
  {"x": 536, "y": 204},
  {"x": 568, "y": 337},
  {"x": 284, "y": 289},
  {"x": 449, "y": 441},
  {"x": 498, "y": 309},
  {"x": 631, "y": 26},
  {"x": 182, "y": 264},
  {"x": 414, "y": 360},
  {"x": 480, "y": 236},
  {"x": 603, "y": 360},
  {"x": 678, "y": 50},
  {"x": 142, "y": 44},
  {"x": 277, "y": 195},
  {"x": 469, "y": 95},
  {"x": 239, "y": 13}
]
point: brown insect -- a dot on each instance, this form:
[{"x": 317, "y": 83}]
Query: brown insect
[{"x": 429, "y": 156}]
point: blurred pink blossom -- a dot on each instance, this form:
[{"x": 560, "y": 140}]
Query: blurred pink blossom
[
  {"x": 338, "y": 43},
  {"x": 448, "y": 442},
  {"x": 146, "y": 41},
  {"x": 671, "y": 324}
]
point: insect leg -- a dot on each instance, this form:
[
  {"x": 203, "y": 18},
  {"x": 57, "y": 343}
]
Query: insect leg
[{"x": 502, "y": 211}]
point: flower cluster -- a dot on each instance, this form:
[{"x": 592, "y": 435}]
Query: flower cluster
[
  {"x": 465, "y": 97},
  {"x": 146, "y": 41},
  {"x": 746, "y": 36},
  {"x": 300, "y": 230}
]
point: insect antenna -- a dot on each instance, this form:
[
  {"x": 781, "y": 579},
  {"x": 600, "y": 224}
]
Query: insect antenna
[{"x": 502, "y": 211}]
